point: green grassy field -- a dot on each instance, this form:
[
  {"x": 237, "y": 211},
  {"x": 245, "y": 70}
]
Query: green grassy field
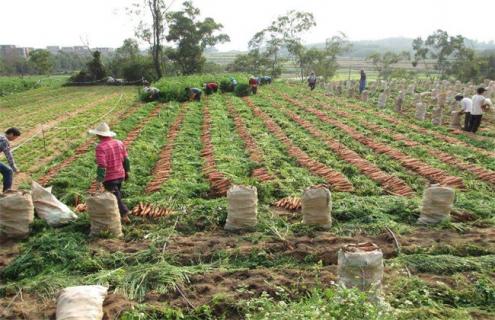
[{"x": 185, "y": 266}]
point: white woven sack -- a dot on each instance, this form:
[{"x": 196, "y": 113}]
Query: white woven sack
[
  {"x": 242, "y": 207},
  {"x": 81, "y": 303},
  {"x": 49, "y": 208},
  {"x": 316, "y": 204},
  {"x": 437, "y": 204},
  {"x": 360, "y": 266},
  {"x": 104, "y": 214},
  {"x": 16, "y": 214}
]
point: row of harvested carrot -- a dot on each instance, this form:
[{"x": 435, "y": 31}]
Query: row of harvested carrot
[
  {"x": 163, "y": 166},
  {"x": 482, "y": 173},
  {"x": 336, "y": 180},
  {"x": 255, "y": 154},
  {"x": 289, "y": 203},
  {"x": 150, "y": 211},
  {"x": 428, "y": 132},
  {"x": 432, "y": 174},
  {"x": 219, "y": 183},
  {"x": 390, "y": 183}
]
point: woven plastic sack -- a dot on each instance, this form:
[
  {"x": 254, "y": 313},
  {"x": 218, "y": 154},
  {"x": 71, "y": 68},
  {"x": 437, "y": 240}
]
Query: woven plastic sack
[
  {"x": 316, "y": 203},
  {"x": 49, "y": 208},
  {"x": 361, "y": 266},
  {"x": 455, "y": 120},
  {"x": 437, "y": 204},
  {"x": 420, "y": 111},
  {"x": 399, "y": 102},
  {"x": 16, "y": 214},
  {"x": 242, "y": 207},
  {"x": 436, "y": 116},
  {"x": 382, "y": 100},
  {"x": 81, "y": 303},
  {"x": 364, "y": 95},
  {"x": 104, "y": 214}
]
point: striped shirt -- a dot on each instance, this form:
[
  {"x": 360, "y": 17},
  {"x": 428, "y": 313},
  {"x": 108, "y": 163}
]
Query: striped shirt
[
  {"x": 5, "y": 148},
  {"x": 110, "y": 155}
]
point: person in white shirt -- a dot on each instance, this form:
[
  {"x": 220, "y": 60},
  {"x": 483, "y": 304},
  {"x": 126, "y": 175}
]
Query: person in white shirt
[
  {"x": 466, "y": 106},
  {"x": 477, "y": 110}
]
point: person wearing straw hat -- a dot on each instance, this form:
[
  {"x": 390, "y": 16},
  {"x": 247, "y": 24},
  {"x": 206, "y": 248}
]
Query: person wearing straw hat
[
  {"x": 8, "y": 171},
  {"x": 253, "y": 83},
  {"x": 113, "y": 165}
]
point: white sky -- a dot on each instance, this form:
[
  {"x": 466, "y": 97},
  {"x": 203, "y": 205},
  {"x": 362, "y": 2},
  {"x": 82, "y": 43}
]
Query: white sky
[{"x": 38, "y": 23}]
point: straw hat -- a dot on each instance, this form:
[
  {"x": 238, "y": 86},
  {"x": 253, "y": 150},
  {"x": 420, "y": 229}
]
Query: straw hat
[{"x": 102, "y": 130}]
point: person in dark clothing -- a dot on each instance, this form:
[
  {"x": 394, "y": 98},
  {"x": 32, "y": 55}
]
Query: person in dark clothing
[
  {"x": 312, "y": 81},
  {"x": 210, "y": 87},
  {"x": 266, "y": 80},
  {"x": 194, "y": 94},
  {"x": 8, "y": 171},
  {"x": 362, "y": 82}
]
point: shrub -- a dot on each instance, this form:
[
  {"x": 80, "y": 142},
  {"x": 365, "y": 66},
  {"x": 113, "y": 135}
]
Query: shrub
[
  {"x": 172, "y": 88},
  {"x": 9, "y": 85},
  {"x": 225, "y": 86},
  {"x": 242, "y": 90}
]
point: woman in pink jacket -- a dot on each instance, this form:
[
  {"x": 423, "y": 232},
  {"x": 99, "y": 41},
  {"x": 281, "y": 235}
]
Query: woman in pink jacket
[{"x": 113, "y": 165}]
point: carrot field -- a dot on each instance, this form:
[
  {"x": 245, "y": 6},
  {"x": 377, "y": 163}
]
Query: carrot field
[{"x": 175, "y": 261}]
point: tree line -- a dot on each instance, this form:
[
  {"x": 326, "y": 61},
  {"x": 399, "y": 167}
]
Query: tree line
[{"x": 178, "y": 39}]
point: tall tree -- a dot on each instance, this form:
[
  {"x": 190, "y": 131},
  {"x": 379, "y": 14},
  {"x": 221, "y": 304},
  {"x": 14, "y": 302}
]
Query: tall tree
[
  {"x": 253, "y": 62},
  {"x": 152, "y": 32},
  {"x": 95, "y": 67},
  {"x": 42, "y": 61},
  {"x": 324, "y": 62},
  {"x": 192, "y": 37},
  {"x": 383, "y": 62},
  {"x": 285, "y": 31},
  {"x": 447, "y": 51}
]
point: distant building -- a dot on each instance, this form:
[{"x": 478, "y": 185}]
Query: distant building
[
  {"x": 67, "y": 49},
  {"x": 104, "y": 50},
  {"x": 8, "y": 51},
  {"x": 80, "y": 49},
  {"x": 53, "y": 49}
]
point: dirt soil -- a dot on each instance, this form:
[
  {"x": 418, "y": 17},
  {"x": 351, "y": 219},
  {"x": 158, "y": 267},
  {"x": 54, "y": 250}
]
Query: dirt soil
[
  {"x": 9, "y": 249},
  {"x": 242, "y": 284},
  {"x": 221, "y": 288},
  {"x": 26, "y": 306}
]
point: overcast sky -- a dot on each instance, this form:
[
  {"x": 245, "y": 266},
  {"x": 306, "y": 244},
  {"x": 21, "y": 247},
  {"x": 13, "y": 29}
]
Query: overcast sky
[{"x": 36, "y": 23}]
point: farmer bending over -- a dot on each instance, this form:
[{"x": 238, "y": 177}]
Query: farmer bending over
[
  {"x": 152, "y": 93},
  {"x": 253, "y": 83},
  {"x": 210, "y": 87},
  {"x": 194, "y": 94},
  {"x": 8, "y": 171},
  {"x": 113, "y": 165},
  {"x": 466, "y": 106},
  {"x": 233, "y": 83}
]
